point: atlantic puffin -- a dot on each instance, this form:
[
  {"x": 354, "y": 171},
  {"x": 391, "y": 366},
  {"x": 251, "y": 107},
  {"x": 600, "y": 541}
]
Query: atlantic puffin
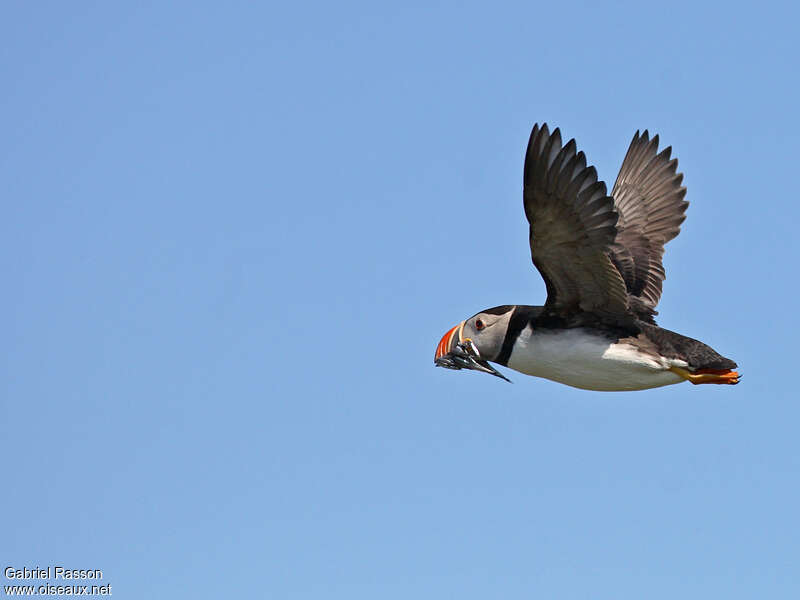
[{"x": 601, "y": 260}]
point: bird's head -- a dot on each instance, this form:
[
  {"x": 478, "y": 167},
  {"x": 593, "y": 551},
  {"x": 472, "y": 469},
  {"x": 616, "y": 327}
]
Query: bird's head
[{"x": 473, "y": 343}]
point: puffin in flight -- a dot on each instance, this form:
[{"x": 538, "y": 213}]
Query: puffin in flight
[{"x": 600, "y": 258}]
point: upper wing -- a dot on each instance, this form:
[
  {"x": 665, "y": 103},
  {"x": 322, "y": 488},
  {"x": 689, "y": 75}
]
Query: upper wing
[
  {"x": 649, "y": 198},
  {"x": 572, "y": 227}
]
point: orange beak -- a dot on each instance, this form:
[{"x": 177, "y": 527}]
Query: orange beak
[
  {"x": 450, "y": 354},
  {"x": 446, "y": 342}
]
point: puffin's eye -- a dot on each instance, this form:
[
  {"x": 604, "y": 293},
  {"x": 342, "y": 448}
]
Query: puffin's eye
[{"x": 479, "y": 325}]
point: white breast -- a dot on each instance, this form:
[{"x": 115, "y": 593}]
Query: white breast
[{"x": 583, "y": 359}]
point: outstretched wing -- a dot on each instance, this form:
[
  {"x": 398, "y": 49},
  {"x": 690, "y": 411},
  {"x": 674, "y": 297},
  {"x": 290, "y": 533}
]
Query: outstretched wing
[
  {"x": 649, "y": 199},
  {"x": 572, "y": 228}
]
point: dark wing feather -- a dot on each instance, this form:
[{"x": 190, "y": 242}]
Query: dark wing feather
[
  {"x": 649, "y": 198},
  {"x": 572, "y": 228}
]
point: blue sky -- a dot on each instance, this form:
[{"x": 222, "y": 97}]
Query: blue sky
[{"x": 233, "y": 235}]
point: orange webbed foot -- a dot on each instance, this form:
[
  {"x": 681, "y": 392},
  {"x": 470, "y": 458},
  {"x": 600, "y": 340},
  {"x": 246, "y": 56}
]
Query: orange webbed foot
[{"x": 717, "y": 376}]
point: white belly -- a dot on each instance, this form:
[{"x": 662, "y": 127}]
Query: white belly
[{"x": 582, "y": 359}]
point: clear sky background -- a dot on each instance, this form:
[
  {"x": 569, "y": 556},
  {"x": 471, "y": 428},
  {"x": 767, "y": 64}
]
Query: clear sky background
[{"x": 234, "y": 233}]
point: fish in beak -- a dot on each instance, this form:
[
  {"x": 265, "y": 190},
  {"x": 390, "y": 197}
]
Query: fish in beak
[{"x": 456, "y": 352}]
